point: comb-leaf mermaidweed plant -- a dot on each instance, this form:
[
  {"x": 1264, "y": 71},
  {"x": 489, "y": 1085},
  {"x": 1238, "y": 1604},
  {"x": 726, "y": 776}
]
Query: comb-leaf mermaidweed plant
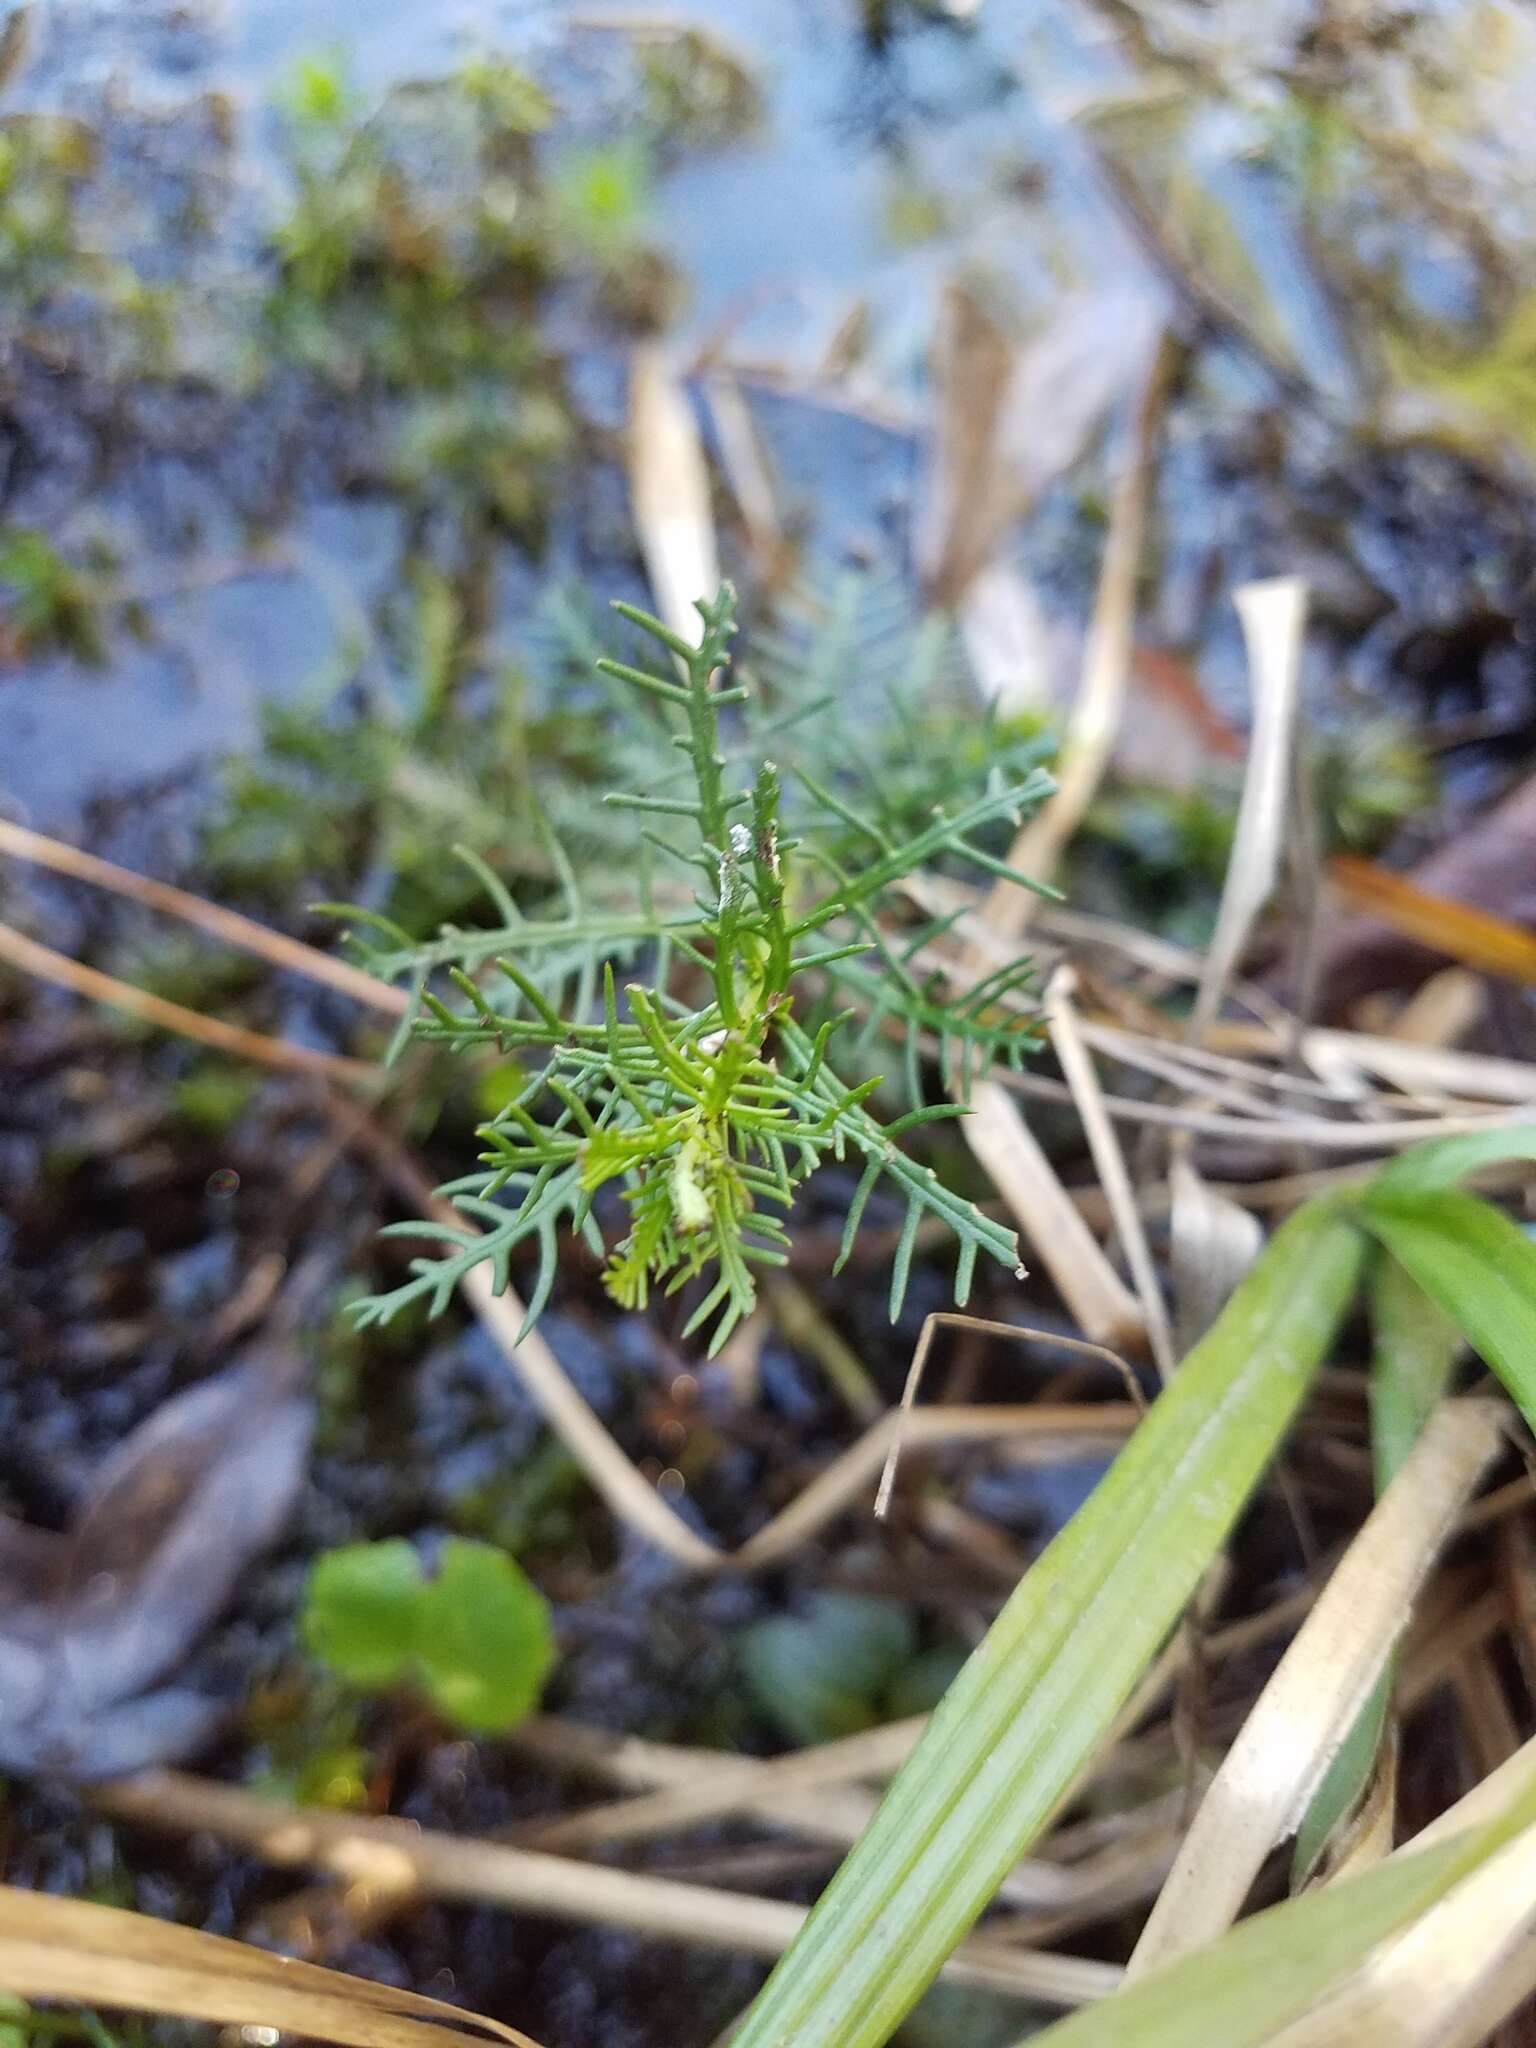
[{"x": 709, "y": 1103}]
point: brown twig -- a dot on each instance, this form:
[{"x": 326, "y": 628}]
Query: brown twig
[
  {"x": 65, "y": 973},
  {"x": 226, "y": 925}
]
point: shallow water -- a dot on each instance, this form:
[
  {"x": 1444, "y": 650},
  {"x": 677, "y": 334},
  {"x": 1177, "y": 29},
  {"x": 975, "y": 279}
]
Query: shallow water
[{"x": 1033, "y": 148}]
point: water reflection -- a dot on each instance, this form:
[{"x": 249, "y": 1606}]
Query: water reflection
[{"x": 312, "y": 327}]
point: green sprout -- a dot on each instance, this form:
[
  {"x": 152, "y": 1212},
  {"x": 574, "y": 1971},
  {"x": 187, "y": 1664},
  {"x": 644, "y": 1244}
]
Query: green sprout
[{"x": 708, "y": 1107}]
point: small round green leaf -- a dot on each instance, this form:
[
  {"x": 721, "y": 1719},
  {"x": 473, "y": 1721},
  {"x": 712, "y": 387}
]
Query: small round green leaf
[
  {"x": 361, "y": 1611},
  {"x": 485, "y": 1644}
]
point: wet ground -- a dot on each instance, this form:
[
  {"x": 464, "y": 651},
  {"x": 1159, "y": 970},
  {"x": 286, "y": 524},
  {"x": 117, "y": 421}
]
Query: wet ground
[{"x": 314, "y": 336}]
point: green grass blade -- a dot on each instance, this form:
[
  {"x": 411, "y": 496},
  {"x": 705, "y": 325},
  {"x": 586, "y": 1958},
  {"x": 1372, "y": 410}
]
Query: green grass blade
[
  {"x": 1034, "y": 1701},
  {"x": 1344, "y": 1782},
  {"x": 1243, "y": 1990},
  {"x": 1444, "y": 1161},
  {"x": 1478, "y": 1265},
  {"x": 1414, "y": 1344},
  {"x": 1413, "y": 1347}
]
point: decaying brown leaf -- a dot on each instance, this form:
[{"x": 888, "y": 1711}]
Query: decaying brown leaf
[{"x": 93, "y": 1622}]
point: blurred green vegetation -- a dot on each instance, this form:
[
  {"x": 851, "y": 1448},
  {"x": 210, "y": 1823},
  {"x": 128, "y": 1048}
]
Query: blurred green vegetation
[{"x": 849, "y": 1661}]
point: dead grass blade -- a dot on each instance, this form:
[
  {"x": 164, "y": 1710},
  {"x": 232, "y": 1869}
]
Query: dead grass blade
[
  {"x": 832, "y": 1809},
  {"x": 1473, "y": 1076},
  {"x": 1320, "y": 1685},
  {"x": 99, "y": 1955},
  {"x": 970, "y": 497},
  {"x": 1360, "y": 1134},
  {"x": 382, "y": 1851},
  {"x": 1267, "y": 1976},
  {"x": 669, "y": 489},
  {"x": 1273, "y": 616},
  {"x": 731, "y": 1785},
  {"x": 1081, "y": 1077},
  {"x": 62, "y": 972},
  {"x": 1095, "y": 718},
  {"x": 1214, "y": 1242},
  {"x": 1447, "y": 1009},
  {"x": 1019, "y": 655},
  {"x": 1010, "y": 1333},
  {"x": 1099, "y": 1300}
]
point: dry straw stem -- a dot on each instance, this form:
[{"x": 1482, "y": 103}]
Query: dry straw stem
[
  {"x": 1435, "y": 1654},
  {"x": 100, "y": 1956},
  {"x": 1276, "y": 1763},
  {"x": 1488, "y": 1798},
  {"x": 1099, "y": 1300},
  {"x": 669, "y": 490},
  {"x": 1446, "y": 1008},
  {"x": 1254, "y": 1095},
  {"x": 1388, "y": 1134},
  {"x": 1155, "y": 955},
  {"x": 811, "y": 1791},
  {"x": 1013, "y": 1333},
  {"x": 1103, "y": 1307},
  {"x": 1473, "y": 1077},
  {"x": 1273, "y": 616},
  {"x": 1261, "y": 1091},
  {"x": 1013, "y": 412},
  {"x": 1488, "y": 1725},
  {"x": 1114, "y": 1177},
  {"x": 1120, "y": 1876},
  {"x": 727, "y": 1785},
  {"x": 1470, "y": 1075},
  {"x": 1276, "y": 1979},
  {"x": 394, "y": 1854},
  {"x": 227, "y": 926},
  {"x": 1100, "y": 700},
  {"x": 62, "y": 972},
  {"x": 804, "y": 1804},
  {"x": 1343, "y": 1060}
]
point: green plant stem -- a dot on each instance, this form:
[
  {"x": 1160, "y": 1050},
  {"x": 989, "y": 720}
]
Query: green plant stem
[
  {"x": 1039, "y": 1694},
  {"x": 1414, "y": 1345}
]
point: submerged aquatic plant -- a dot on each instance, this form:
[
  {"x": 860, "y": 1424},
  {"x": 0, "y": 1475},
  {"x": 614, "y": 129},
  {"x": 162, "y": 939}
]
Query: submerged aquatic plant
[{"x": 708, "y": 1104}]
